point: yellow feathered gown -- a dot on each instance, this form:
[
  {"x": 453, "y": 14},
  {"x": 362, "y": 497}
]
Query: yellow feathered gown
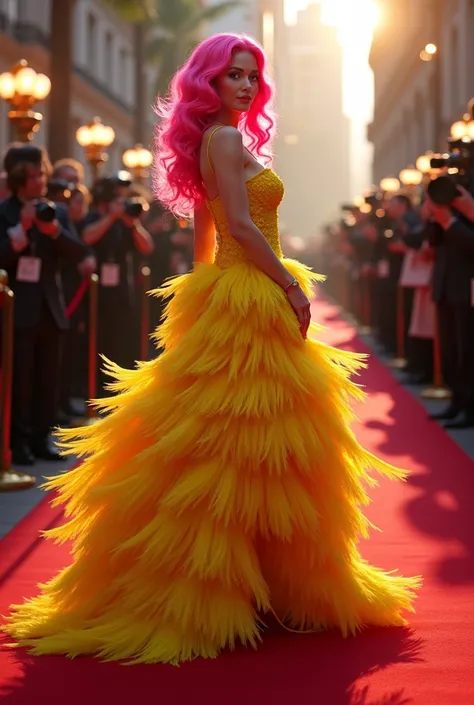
[{"x": 225, "y": 484}]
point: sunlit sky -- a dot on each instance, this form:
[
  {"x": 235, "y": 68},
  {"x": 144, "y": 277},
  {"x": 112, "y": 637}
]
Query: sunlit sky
[{"x": 355, "y": 20}]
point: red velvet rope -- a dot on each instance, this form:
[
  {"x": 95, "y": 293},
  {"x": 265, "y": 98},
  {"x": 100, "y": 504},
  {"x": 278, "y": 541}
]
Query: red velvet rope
[{"x": 77, "y": 298}]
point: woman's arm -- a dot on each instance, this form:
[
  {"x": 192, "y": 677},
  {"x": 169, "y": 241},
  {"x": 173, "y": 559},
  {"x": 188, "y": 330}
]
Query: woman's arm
[
  {"x": 227, "y": 156},
  {"x": 204, "y": 235}
]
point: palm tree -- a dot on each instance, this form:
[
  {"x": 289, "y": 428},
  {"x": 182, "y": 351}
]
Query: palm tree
[
  {"x": 180, "y": 23},
  {"x": 60, "y": 72},
  {"x": 133, "y": 10}
]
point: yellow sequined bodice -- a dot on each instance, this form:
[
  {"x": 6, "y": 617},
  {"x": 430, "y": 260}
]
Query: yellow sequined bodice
[{"x": 265, "y": 192}]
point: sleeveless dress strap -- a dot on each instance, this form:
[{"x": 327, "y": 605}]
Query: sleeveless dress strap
[{"x": 208, "y": 152}]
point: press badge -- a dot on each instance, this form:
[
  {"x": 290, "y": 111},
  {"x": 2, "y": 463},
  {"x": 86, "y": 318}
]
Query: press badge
[
  {"x": 110, "y": 274},
  {"x": 383, "y": 268},
  {"x": 28, "y": 270}
]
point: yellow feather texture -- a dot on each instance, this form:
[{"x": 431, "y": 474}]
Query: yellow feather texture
[{"x": 225, "y": 481}]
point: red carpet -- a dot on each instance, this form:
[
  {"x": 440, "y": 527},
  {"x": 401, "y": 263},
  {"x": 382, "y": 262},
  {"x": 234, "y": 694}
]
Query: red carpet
[{"x": 428, "y": 528}]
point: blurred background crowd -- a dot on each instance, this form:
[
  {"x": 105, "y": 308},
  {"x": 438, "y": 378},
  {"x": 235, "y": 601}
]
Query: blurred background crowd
[{"x": 54, "y": 234}]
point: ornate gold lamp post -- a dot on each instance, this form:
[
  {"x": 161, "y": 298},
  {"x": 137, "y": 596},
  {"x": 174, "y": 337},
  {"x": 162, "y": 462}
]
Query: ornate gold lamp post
[
  {"x": 138, "y": 160},
  {"x": 410, "y": 177},
  {"x": 389, "y": 185},
  {"x": 21, "y": 88},
  {"x": 464, "y": 129},
  {"x": 95, "y": 138}
]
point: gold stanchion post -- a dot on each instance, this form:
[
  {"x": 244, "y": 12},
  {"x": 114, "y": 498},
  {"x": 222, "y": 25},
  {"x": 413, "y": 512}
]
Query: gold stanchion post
[
  {"x": 437, "y": 391},
  {"x": 400, "y": 361},
  {"x": 92, "y": 356},
  {"x": 145, "y": 319},
  {"x": 9, "y": 479}
]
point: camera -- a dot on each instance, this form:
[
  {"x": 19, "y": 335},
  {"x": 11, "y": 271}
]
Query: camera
[
  {"x": 134, "y": 207},
  {"x": 46, "y": 211},
  {"x": 374, "y": 200},
  {"x": 460, "y": 166}
]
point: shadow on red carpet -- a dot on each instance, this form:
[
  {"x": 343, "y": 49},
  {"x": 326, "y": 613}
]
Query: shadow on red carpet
[{"x": 441, "y": 472}]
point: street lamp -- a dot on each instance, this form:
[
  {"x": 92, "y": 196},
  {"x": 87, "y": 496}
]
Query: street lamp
[
  {"x": 138, "y": 160},
  {"x": 94, "y": 138},
  {"x": 423, "y": 163},
  {"x": 390, "y": 184},
  {"x": 410, "y": 176},
  {"x": 21, "y": 88},
  {"x": 463, "y": 129}
]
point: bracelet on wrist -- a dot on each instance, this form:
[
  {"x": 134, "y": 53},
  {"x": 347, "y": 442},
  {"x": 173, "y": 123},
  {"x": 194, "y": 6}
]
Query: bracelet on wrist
[{"x": 292, "y": 284}]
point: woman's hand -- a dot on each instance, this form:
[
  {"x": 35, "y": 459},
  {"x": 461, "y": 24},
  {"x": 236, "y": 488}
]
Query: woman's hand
[{"x": 301, "y": 306}]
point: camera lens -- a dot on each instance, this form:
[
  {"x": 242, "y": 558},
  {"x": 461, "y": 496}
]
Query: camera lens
[
  {"x": 134, "y": 207},
  {"x": 46, "y": 211}
]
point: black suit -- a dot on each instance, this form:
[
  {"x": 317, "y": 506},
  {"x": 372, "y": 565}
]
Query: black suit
[
  {"x": 117, "y": 339},
  {"x": 39, "y": 320},
  {"x": 453, "y": 282}
]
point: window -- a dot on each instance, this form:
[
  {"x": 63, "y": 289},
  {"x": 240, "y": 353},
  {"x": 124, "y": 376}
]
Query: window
[
  {"x": 124, "y": 74},
  {"x": 10, "y": 8},
  {"x": 455, "y": 70},
  {"x": 91, "y": 41},
  {"x": 108, "y": 57}
]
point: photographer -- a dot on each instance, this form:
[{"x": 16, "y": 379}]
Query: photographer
[
  {"x": 114, "y": 230},
  {"x": 450, "y": 232},
  {"x": 34, "y": 236},
  {"x": 74, "y": 362},
  {"x": 68, "y": 170},
  {"x": 406, "y": 241}
]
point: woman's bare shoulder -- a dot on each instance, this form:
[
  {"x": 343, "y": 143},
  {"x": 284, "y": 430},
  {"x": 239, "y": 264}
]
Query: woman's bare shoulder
[
  {"x": 226, "y": 143},
  {"x": 224, "y": 136}
]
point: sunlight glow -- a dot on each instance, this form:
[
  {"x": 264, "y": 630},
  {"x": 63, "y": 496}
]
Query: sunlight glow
[
  {"x": 355, "y": 21},
  {"x": 352, "y": 16}
]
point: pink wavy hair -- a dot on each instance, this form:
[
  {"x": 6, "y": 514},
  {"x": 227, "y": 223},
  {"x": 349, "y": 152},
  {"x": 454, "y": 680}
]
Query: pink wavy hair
[{"x": 191, "y": 106}]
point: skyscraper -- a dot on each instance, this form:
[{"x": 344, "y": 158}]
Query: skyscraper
[{"x": 313, "y": 151}]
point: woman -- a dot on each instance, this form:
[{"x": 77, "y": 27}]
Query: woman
[{"x": 226, "y": 483}]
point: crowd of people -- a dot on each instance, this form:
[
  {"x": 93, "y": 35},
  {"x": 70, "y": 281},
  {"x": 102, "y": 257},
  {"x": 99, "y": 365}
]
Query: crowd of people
[
  {"x": 403, "y": 265},
  {"x": 55, "y": 233}
]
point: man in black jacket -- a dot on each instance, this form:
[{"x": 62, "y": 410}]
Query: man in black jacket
[
  {"x": 451, "y": 233},
  {"x": 31, "y": 250},
  {"x": 115, "y": 237}
]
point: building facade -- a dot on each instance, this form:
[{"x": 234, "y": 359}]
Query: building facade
[
  {"x": 244, "y": 18},
  {"x": 104, "y": 71},
  {"x": 416, "y": 101}
]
